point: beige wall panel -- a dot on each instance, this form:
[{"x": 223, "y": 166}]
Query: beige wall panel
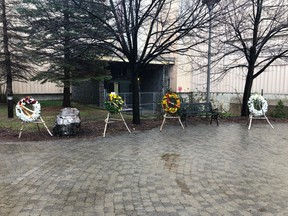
[
  {"x": 273, "y": 81},
  {"x": 35, "y": 88}
]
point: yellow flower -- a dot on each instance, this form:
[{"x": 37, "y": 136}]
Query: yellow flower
[
  {"x": 171, "y": 102},
  {"x": 114, "y": 103}
]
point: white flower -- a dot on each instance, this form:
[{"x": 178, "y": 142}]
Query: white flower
[{"x": 26, "y": 114}]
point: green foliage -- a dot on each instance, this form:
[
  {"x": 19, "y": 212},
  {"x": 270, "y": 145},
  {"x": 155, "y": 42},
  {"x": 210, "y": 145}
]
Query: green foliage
[
  {"x": 63, "y": 43},
  {"x": 225, "y": 114},
  {"x": 114, "y": 103},
  {"x": 168, "y": 90},
  {"x": 15, "y": 58},
  {"x": 257, "y": 104},
  {"x": 50, "y": 103},
  {"x": 280, "y": 111},
  {"x": 61, "y": 35}
]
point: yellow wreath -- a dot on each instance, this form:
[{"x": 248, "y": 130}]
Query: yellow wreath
[
  {"x": 114, "y": 103},
  {"x": 171, "y": 103}
]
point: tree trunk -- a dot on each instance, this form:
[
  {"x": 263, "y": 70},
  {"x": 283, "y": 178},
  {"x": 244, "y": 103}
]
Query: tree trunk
[
  {"x": 247, "y": 92},
  {"x": 134, "y": 69},
  {"x": 135, "y": 96},
  {"x": 66, "y": 97},
  {"x": 7, "y": 62},
  {"x": 66, "y": 90}
]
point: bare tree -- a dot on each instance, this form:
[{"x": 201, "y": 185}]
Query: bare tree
[
  {"x": 141, "y": 31},
  {"x": 254, "y": 37}
]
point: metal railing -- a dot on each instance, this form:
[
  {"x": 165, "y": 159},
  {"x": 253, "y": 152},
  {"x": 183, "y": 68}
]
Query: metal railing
[{"x": 149, "y": 102}]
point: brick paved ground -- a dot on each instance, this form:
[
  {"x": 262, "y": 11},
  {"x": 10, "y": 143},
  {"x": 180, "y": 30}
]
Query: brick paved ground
[{"x": 202, "y": 170}]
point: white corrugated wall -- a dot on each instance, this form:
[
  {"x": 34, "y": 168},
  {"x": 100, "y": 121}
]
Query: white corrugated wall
[
  {"x": 273, "y": 81},
  {"x": 35, "y": 88}
]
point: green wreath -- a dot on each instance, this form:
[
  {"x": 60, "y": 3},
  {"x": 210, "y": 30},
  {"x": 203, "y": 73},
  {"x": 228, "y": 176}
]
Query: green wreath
[{"x": 114, "y": 103}]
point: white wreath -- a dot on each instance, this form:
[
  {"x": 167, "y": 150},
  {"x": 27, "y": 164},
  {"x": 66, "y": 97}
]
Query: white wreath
[
  {"x": 26, "y": 114},
  {"x": 263, "y": 105}
]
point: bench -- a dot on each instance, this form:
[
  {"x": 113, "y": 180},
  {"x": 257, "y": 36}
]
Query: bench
[{"x": 198, "y": 109}]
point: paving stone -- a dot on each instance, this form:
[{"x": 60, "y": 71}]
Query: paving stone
[{"x": 201, "y": 170}]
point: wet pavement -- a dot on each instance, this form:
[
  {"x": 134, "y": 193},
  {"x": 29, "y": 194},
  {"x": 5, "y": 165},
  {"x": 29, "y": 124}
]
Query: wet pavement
[{"x": 202, "y": 170}]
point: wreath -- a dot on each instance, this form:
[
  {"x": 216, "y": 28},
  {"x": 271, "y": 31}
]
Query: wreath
[
  {"x": 28, "y": 109},
  {"x": 257, "y": 105},
  {"x": 114, "y": 103},
  {"x": 171, "y": 102}
]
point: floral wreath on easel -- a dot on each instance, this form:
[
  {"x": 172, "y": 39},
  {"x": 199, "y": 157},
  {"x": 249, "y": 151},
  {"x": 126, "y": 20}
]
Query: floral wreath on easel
[
  {"x": 28, "y": 109},
  {"x": 257, "y": 105},
  {"x": 114, "y": 103},
  {"x": 171, "y": 102}
]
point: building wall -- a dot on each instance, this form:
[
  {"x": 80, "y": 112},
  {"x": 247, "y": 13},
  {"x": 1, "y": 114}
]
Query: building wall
[
  {"x": 272, "y": 81},
  {"x": 86, "y": 92},
  {"x": 35, "y": 88},
  {"x": 46, "y": 91},
  {"x": 190, "y": 73}
]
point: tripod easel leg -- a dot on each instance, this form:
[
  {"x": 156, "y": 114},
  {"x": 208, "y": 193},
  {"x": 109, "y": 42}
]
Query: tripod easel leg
[
  {"x": 265, "y": 117},
  {"x": 38, "y": 127},
  {"x": 124, "y": 122},
  {"x": 163, "y": 122},
  {"x": 171, "y": 117},
  {"x": 22, "y": 127},
  {"x": 181, "y": 123},
  {"x": 37, "y": 122},
  {"x": 250, "y": 121},
  {"x": 106, "y": 123},
  {"x": 43, "y": 122},
  {"x": 269, "y": 122},
  {"x": 112, "y": 120}
]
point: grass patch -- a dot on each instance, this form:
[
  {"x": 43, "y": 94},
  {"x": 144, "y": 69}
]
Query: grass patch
[
  {"x": 50, "y": 103},
  {"x": 49, "y": 111}
]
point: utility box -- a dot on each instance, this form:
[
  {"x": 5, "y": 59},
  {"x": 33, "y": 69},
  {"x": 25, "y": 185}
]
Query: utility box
[{"x": 67, "y": 123}]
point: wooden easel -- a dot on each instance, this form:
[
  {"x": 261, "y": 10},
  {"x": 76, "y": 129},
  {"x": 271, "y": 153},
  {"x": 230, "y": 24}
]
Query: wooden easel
[
  {"x": 109, "y": 120},
  {"x": 38, "y": 121},
  {"x": 167, "y": 116},
  {"x": 251, "y": 117}
]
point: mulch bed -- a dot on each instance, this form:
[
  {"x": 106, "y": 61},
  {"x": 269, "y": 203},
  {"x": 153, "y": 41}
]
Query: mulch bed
[
  {"x": 95, "y": 129},
  {"x": 87, "y": 129}
]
